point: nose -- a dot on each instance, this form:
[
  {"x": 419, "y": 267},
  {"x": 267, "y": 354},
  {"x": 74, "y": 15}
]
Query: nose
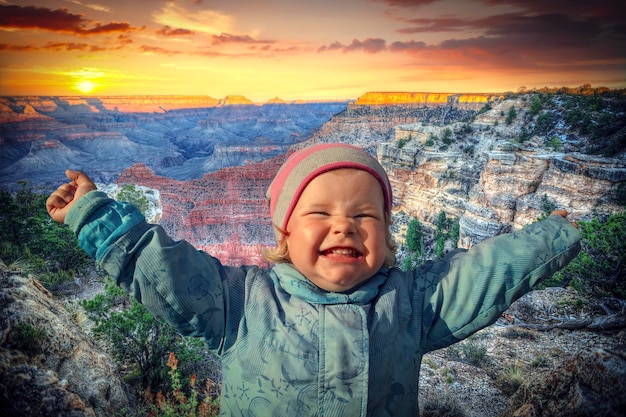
[{"x": 344, "y": 225}]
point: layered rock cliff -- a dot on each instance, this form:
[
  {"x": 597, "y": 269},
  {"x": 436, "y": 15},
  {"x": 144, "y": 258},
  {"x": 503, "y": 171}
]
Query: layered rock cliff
[
  {"x": 482, "y": 167},
  {"x": 491, "y": 182},
  {"x": 480, "y": 175},
  {"x": 223, "y": 213}
]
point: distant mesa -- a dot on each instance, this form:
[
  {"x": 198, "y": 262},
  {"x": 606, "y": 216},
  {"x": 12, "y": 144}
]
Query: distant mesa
[
  {"x": 234, "y": 100},
  {"x": 276, "y": 100},
  {"x": 426, "y": 99}
]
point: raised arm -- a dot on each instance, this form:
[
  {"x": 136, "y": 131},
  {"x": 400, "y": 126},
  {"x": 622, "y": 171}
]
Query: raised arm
[
  {"x": 471, "y": 289},
  {"x": 174, "y": 280}
]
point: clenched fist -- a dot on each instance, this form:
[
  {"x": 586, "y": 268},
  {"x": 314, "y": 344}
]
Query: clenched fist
[{"x": 61, "y": 200}]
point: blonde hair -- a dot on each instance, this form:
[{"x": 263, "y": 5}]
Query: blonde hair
[{"x": 280, "y": 253}]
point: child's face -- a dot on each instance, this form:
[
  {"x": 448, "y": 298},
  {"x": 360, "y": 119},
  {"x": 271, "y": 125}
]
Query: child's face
[{"x": 336, "y": 233}]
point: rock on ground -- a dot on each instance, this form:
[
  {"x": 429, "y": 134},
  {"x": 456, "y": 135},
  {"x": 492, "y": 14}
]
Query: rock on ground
[{"x": 48, "y": 364}]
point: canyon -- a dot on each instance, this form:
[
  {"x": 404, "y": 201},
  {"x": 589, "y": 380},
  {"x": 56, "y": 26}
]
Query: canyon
[
  {"x": 206, "y": 163},
  {"x": 211, "y": 160},
  {"x": 42, "y": 136}
]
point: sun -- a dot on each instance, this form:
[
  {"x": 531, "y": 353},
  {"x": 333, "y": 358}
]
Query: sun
[{"x": 85, "y": 86}]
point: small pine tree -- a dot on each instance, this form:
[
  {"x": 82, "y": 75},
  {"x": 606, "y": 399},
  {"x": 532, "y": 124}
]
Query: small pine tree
[
  {"x": 511, "y": 115},
  {"x": 415, "y": 244},
  {"x": 134, "y": 196}
]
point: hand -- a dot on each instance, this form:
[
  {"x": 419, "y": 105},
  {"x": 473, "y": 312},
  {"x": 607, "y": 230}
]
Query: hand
[
  {"x": 61, "y": 200},
  {"x": 563, "y": 213}
]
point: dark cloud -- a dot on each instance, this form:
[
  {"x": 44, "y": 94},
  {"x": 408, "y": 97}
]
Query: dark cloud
[
  {"x": 228, "y": 38},
  {"x": 58, "y": 46},
  {"x": 610, "y": 11},
  {"x": 410, "y": 46},
  {"x": 168, "y": 31},
  {"x": 406, "y": 3},
  {"x": 67, "y": 46},
  {"x": 369, "y": 45},
  {"x": 18, "y": 48},
  {"x": 534, "y": 35},
  {"x": 429, "y": 25},
  {"x": 109, "y": 27},
  {"x": 59, "y": 20},
  {"x": 332, "y": 47},
  {"x": 124, "y": 39}
]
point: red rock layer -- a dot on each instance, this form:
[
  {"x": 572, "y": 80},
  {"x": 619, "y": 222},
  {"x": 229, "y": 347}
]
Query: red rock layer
[{"x": 224, "y": 212}]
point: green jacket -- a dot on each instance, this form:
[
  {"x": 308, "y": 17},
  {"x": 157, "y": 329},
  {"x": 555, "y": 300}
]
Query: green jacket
[{"x": 291, "y": 349}]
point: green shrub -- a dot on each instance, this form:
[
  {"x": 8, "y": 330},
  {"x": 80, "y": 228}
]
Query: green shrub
[
  {"x": 179, "y": 403},
  {"x": 599, "y": 267},
  {"x": 51, "y": 279},
  {"x": 511, "y": 115},
  {"x": 140, "y": 340},
  {"x": 447, "y": 230},
  {"x": 475, "y": 353},
  {"x": 441, "y": 406},
  {"x": 134, "y": 196},
  {"x": 511, "y": 379},
  {"x": 447, "y": 136},
  {"x": 555, "y": 143},
  {"x": 27, "y": 232},
  {"x": 535, "y": 106},
  {"x": 28, "y": 337},
  {"x": 519, "y": 333}
]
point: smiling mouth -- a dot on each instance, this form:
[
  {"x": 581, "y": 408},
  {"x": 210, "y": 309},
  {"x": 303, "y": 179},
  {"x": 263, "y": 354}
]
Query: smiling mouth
[{"x": 342, "y": 252}]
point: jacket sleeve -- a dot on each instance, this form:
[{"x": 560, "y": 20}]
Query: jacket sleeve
[
  {"x": 469, "y": 290},
  {"x": 187, "y": 287}
]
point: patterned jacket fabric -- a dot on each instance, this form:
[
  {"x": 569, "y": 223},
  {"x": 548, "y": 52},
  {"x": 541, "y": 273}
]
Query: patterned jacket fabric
[{"x": 291, "y": 349}]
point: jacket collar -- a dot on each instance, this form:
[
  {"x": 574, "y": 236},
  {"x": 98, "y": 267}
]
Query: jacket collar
[{"x": 296, "y": 284}]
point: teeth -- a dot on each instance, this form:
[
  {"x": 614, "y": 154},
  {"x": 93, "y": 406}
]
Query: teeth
[{"x": 347, "y": 252}]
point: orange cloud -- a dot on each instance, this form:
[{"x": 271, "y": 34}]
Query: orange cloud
[{"x": 157, "y": 50}]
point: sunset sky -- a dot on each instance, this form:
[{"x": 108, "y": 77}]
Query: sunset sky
[{"x": 309, "y": 49}]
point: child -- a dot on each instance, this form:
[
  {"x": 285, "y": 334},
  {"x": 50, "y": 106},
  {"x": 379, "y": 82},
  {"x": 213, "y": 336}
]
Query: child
[{"x": 333, "y": 329}]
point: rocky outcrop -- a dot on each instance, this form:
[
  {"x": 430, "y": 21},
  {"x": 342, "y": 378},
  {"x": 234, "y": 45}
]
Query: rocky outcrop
[
  {"x": 516, "y": 188},
  {"x": 590, "y": 384},
  {"x": 369, "y": 126},
  {"x": 48, "y": 364},
  {"x": 491, "y": 184},
  {"x": 523, "y": 372}
]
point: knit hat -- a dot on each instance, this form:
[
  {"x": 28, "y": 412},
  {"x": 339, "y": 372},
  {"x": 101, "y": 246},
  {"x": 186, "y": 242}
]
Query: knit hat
[{"x": 306, "y": 164}]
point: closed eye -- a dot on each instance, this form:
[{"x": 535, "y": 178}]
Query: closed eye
[
  {"x": 319, "y": 213},
  {"x": 366, "y": 215}
]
